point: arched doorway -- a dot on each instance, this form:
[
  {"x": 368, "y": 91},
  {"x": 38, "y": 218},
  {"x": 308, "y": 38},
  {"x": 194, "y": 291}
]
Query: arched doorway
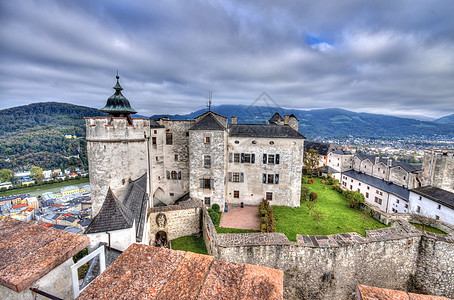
[{"x": 161, "y": 239}]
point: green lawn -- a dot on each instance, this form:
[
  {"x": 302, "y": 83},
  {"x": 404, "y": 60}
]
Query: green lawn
[
  {"x": 428, "y": 228},
  {"x": 337, "y": 216},
  {"x": 27, "y": 190},
  {"x": 233, "y": 230},
  {"x": 190, "y": 243}
]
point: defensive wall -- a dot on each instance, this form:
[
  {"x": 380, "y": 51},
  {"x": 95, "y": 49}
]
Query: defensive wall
[{"x": 329, "y": 267}]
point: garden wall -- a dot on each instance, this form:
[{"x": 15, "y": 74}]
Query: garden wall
[
  {"x": 176, "y": 220},
  {"x": 329, "y": 267}
]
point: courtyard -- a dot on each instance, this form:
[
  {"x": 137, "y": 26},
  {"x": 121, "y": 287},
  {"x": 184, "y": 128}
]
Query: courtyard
[
  {"x": 237, "y": 217},
  {"x": 337, "y": 216}
]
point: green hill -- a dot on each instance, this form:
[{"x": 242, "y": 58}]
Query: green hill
[{"x": 35, "y": 135}]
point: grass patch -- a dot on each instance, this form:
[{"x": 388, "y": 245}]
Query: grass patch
[
  {"x": 338, "y": 217},
  {"x": 233, "y": 230},
  {"x": 190, "y": 243},
  {"x": 428, "y": 228},
  {"x": 27, "y": 190}
]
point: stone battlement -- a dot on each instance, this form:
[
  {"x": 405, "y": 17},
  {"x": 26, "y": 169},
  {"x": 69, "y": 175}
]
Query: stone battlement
[{"x": 103, "y": 129}]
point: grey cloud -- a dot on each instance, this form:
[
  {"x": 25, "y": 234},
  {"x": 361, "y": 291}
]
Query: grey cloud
[{"x": 380, "y": 56}]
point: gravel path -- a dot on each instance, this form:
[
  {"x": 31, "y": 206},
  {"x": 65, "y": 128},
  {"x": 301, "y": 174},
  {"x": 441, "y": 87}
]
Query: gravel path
[{"x": 241, "y": 218}]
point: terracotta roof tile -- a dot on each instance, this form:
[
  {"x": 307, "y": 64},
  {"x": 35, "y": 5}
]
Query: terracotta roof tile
[
  {"x": 29, "y": 251},
  {"x": 261, "y": 283},
  {"x": 146, "y": 272},
  {"x": 365, "y": 292}
]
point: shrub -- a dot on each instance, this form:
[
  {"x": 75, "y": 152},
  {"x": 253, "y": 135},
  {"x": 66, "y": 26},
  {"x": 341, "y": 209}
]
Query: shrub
[
  {"x": 313, "y": 196},
  {"x": 305, "y": 180},
  {"x": 267, "y": 223},
  {"x": 323, "y": 181},
  {"x": 304, "y": 193},
  {"x": 216, "y": 207},
  {"x": 354, "y": 199},
  {"x": 215, "y": 217}
]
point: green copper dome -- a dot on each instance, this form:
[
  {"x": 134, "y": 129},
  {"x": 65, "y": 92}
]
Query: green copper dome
[{"x": 117, "y": 104}]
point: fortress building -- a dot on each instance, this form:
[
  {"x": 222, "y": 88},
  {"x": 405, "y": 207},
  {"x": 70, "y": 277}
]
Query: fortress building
[{"x": 206, "y": 158}]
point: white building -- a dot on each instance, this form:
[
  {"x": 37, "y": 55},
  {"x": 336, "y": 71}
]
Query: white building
[
  {"x": 385, "y": 196},
  {"x": 433, "y": 202}
]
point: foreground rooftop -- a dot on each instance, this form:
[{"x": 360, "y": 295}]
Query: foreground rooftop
[
  {"x": 146, "y": 272},
  {"x": 29, "y": 250}
]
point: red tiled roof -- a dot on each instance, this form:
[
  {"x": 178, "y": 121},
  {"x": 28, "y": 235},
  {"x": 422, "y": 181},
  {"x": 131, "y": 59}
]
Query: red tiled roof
[
  {"x": 29, "y": 251},
  {"x": 16, "y": 206},
  {"x": 46, "y": 224},
  {"x": 365, "y": 292},
  {"x": 147, "y": 272},
  {"x": 57, "y": 205}
]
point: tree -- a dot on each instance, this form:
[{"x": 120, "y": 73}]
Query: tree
[
  {"x": 6, "y": 175},
  {"x": 313, "y": 196},
  {"x": 37, "y": 174},
  {"x": 310, "y": 160},
  {"x": 317, "y": 216}
]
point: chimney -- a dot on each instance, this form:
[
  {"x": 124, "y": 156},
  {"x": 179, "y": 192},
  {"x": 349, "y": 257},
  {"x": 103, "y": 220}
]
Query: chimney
[
  {"x": 234, "y": 120},
  {"x": 377, "y": 160},
  {"x": 390, "y": 162},
  {"x": 286, "y": 119},
  {"x": 293, "y": 122}
]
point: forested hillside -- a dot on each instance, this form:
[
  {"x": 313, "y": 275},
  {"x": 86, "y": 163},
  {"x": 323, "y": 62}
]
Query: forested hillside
[{"x": 35, "y": 135}]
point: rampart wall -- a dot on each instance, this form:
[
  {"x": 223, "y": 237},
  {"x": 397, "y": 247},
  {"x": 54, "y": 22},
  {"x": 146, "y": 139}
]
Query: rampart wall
[{"x": 329, "y": 267}]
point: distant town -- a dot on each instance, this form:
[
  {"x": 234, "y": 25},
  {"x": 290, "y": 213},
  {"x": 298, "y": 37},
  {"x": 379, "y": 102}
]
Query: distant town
[{"x": 64, "y": 207}]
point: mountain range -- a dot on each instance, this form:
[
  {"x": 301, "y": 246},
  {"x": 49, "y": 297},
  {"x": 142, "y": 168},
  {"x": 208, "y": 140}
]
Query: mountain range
[
  {"x": 337, "y": 123},
  {"x": 35, "y": 134}
]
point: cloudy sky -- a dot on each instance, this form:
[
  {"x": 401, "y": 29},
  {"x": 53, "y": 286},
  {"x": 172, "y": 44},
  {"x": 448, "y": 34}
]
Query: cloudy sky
[{"x": 390, "y": 57}]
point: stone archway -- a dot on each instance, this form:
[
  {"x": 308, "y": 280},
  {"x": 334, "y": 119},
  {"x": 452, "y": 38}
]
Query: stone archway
[{"x": 161, "y": 239}]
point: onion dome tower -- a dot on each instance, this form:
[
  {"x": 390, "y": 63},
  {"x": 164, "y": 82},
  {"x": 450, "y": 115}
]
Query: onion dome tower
[{"x": 117, "y": 105}]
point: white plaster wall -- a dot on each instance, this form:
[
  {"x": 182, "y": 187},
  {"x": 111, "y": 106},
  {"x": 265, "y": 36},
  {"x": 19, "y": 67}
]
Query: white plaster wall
[
  {"x": 353, "y": 185},
  {"x": 253, "y": 190},
  {"x": 119, "y": 239},
  {"x": 166, "y": 159},
  {"x": 429, "y": 208},
  {"x": 217, "y": 148}
]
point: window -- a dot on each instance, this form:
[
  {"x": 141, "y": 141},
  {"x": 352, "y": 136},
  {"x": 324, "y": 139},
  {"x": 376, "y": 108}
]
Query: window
[
  {"x": 173, "y": 175},
  {"x": 420, "y": 198},
  {"x": 397, "y": 201},
  {"x": 207, "y": 140},
  {"x": 351, "y": 187},
  {"x": 418, "y": 210},
  {"x": 155, "y": 131},
  {"x": 187, "y": 133},
  {"x": 404, "y": 177},
  {"x": 378, "y": 169},
  {"x": 270, "y": 178},
  {"x": 169, "y": 140},
  {"x": 236, "y": 157},
  {"x": 439, "y": 206},
  {"x": 236, "y": 194},
  {"x": 383, "y": 172},
  {"x": 437, "y": 217},
  {"x": 378, "y": 200},
  {"x": 270, "y": 158},
  {"x": 171, "y": 194},
  {"x": 359, "y": 183},
  {"x": 367, "y": 195},
  {"x": 153, "y": 140},
  {"x": 157, "y": 158},
  {"x": 406, "y": 205},
  {"x": 206, "y": 183},
  {"x": 269, "y": 196},
  {"x": 207, "y": 161},
  {"x": 247, "y": 158},
  {"x": 358, "y": 191},
  {"x": 207, "y": 201},
  {"x": 394, "y": 210},
  {"x": 351, "y": 180},
  {"x": 236, "y": 177},
  {"x": 176, "y": 157},
  {"x": 368, "y": 187}
]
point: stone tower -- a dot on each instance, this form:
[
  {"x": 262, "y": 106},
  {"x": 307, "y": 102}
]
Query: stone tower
[
  {"x": 438, "y": 168},
  {"x": 117, "y": 148}
]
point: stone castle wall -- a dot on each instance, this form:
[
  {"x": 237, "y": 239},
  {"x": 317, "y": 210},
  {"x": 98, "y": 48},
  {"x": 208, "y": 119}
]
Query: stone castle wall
[
  {"x": 116, "y": 152},
  {"x": 181, "y": 220},
  {"x": 329, "y": 267}
]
